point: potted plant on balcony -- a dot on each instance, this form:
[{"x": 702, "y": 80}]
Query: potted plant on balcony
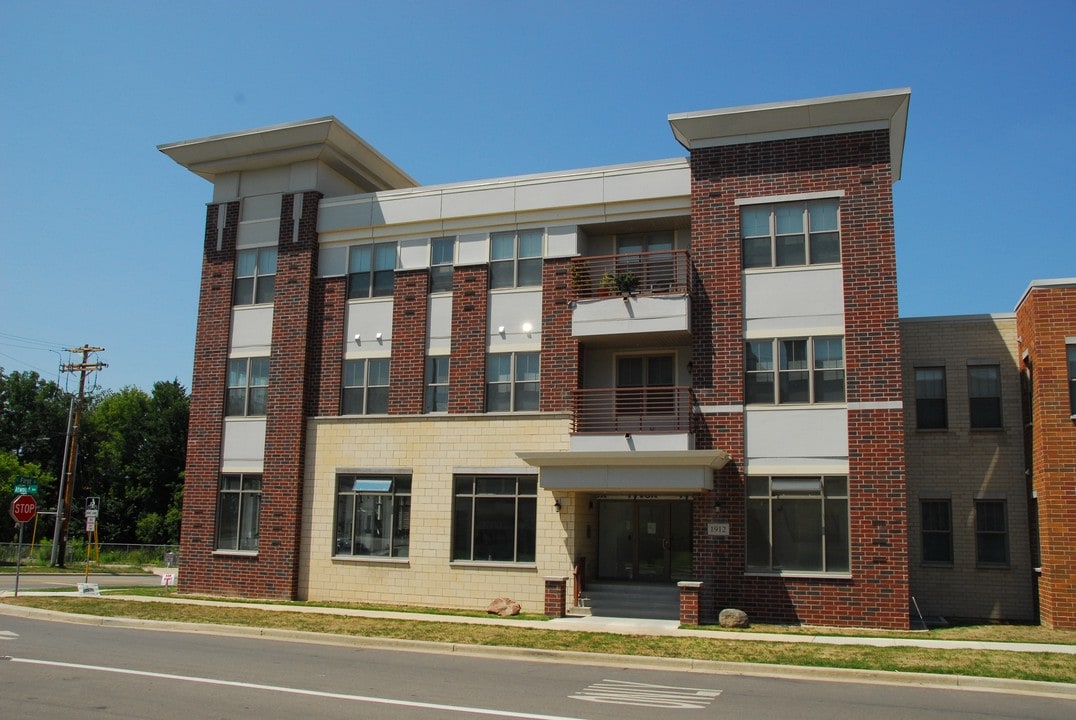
[{"x": 627, "y": 283}]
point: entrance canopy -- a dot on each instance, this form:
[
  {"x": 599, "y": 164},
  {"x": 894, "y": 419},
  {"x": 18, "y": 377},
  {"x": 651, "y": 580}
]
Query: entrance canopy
[{"x": 654, "y": 471}]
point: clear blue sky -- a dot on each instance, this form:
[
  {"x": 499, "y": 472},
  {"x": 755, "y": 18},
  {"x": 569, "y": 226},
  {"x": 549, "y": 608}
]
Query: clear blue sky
[{"x": 100, "y": 234}]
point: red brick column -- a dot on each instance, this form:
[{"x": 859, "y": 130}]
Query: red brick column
[
  {"x": 328, "y": 303},
  {"x": 206, "y": 426},
  {"x": 857, "y": 164},
  {"x": 1045, "y": 318},
  {"x": 560, "y": 351},
  {"x": 470, "y": 337},
  {"x": 690, "y": 593},
  {"x": 556, "y": 597},
  {"x": 277, "y": 570},
  {"x": 410, "y": 310}
]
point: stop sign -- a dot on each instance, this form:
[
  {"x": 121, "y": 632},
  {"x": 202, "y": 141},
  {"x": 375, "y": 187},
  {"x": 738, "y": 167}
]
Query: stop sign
[{"x": 23, "y": 508}]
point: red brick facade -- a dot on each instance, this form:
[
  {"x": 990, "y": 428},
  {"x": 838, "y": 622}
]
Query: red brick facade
[
  {"x": 470, "y": 337},
  {"x": 207, "y": 402},
  {"x": 1045, "y": 320},
  {"x": 560, "y": 351},
  {"x": 858, "y": 165},
  {"x": 410, "y": 309}
]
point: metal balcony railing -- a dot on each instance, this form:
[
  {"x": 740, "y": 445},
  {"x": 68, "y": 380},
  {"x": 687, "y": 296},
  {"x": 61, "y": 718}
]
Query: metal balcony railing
[
  {"x": 648, "y": 273},
  {"x": 631, "y": 410}
]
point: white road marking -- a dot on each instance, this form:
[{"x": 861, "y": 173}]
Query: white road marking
[
  {"x": 8, "y": 635},
  {"x": 300, "y": 691},
  {"x": 621, "y": 692}
]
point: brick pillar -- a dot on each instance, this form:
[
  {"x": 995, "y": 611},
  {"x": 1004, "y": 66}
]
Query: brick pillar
[
  {"x": 556, "y": 597},
  {"x": 690, "y": 592},
  {"x": 328, "y": 303},
  {"x": 470, "y": 337},
  {"x": 410, "y": 310},
  {"x": 560, "y": 351},
  {"x": 285, "y": 431},
  {"x": 207, "y": 398}
]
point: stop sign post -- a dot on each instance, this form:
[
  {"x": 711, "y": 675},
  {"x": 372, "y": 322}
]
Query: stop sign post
[{"x": 23, "y": 508}]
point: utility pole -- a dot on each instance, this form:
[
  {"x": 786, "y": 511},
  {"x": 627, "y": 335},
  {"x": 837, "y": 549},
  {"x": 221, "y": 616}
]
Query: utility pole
[{"x": 63, "y": 512}]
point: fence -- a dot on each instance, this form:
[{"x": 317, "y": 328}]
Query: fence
[{"x": 110, "y": 553}]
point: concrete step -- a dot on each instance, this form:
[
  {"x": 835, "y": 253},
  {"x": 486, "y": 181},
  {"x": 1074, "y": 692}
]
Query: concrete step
[{"x": 633, "y": 600}]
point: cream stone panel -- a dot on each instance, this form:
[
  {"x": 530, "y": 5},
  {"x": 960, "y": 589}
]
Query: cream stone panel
[{"x": 431, "y": 449}]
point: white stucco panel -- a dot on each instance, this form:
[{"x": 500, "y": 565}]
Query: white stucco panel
[
  {"x": 513, "y": 310},
  {"x": 616, "y": 315},
  {"x": 414, "y": 253},
  {"x": 554, "y": 193},
  {"x": 258, "y": 233},
  {"x": 562, "y": 241},
  {"x": 802, "y": 293},
  {"x": 367, "y": 318},
  {"x": 252, "y": 326},
  {"x": 439, "y": 328},
  {"x": 472, "y": 249},
  {"x": 796, "y": 433},
  {"x": 244, "y": 444}
]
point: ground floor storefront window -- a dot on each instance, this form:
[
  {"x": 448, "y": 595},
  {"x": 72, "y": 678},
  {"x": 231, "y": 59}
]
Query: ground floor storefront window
[
  {"x": 797, "y": 524},
  {"x": 494, "y": 518}
]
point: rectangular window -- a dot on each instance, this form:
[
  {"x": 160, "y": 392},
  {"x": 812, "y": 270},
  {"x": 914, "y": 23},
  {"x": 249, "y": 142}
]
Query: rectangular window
[
  {"x": 366, "y": 387},
  {"x": 930, "y": 404},
  {"x": 494, "y": 518},
  {"x": 442, "y": 256},
  {"x": 808, "y": 370},
  {"x": 1071, "y": 350},
  {"x": 248, "y": 386},
  {"x": 790, "y": 234},
  {"x": 512, "y": 382},
  {"x": 984, "y": 396},
  {"x": 373, "y": 515},
  {"x": 991, "y": 533},
  {"x": 515, "y": 259},
  {"x": 797, "y": 524},
  {"x": 937, "y": 522},
  {"x": 437, "y": 383},
  {"x": 255, "y": 276},
  {"x": 238, "y": 509},
  {"x": 371, "y": 270}
]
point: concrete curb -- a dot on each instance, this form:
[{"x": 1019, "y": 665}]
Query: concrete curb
[{"x": 927, "y": 680}]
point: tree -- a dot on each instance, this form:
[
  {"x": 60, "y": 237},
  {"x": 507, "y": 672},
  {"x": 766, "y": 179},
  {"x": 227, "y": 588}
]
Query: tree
[
  {"x": 133, "y": 454},
  {"x": 10, "y": 469},
  {"x": 33, "y": 419}
]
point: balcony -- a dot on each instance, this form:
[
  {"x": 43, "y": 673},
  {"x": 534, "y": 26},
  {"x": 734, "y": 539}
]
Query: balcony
[
  {"x": 660, "y": 416},
  {"x": 631, "y": 294},
  {"x": 633, "y": 274}
]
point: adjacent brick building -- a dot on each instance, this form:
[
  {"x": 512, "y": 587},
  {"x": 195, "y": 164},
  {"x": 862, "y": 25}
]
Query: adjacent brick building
[{"x": 671, "y": 371}]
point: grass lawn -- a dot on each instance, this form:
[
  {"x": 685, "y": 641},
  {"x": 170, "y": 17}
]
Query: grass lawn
[{"x": 1052, "y": 667}]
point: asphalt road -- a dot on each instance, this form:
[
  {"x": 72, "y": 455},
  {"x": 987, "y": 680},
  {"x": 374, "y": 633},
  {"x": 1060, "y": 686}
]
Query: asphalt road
[
  {"x": 54, "y": 669},
  {"x": 70, "y": 581}
]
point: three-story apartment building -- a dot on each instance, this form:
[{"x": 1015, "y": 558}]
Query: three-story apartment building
[{"x": 677, "y": 370}]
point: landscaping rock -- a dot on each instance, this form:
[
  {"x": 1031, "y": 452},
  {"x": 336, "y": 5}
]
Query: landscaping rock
[
  {"x": 505, "y": 607},
  {"x": 732, "y": 618}
]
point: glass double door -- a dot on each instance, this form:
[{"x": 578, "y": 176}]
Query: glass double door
[{"x": 644, "y": 540}]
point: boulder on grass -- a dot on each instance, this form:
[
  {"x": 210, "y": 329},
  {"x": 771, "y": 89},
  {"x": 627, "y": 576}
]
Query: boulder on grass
[
  {"x": 732, "y": 618},
  {"x": 504, "y": 607}
]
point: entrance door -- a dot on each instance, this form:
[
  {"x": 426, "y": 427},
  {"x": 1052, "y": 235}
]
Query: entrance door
[{"x": 644, "y": 540}]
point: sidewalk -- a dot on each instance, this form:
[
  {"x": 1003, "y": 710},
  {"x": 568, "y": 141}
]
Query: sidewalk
[{"x": 620, "y": 626}]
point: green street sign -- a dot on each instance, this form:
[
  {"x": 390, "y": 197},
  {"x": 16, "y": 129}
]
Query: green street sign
[{"x": 25, "y": 485}]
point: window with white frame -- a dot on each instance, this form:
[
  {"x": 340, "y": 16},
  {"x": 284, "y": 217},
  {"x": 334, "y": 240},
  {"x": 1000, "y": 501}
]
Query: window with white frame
[
  {"x": 936, "y": 519},
  {"x": 255, "y": 276},
  {"x": 984, "y": 396},
  {"x": 248, "y": 386},
  {"x": 373, "y": 515},
  {"x": 798, "y": 524},
  {"x": 366, "y": 387},
  {"x": 807, "y": 370},
  {"x": 494, "y": 518},
  {"x": 790, "y": 234},
  {"x": 515, "y": 259},
  {"x": 1070, "y": 349},
  {"x": 437, "y": 383},
  {"x": 930, "y": 403},
  {"x": 442, "y": 257},
  {"x": 512, "y": 382},
  {"x": 238, "y": 512},
  {"x": 371, "y": 270},
  {"x": 991, "y": 533}
]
